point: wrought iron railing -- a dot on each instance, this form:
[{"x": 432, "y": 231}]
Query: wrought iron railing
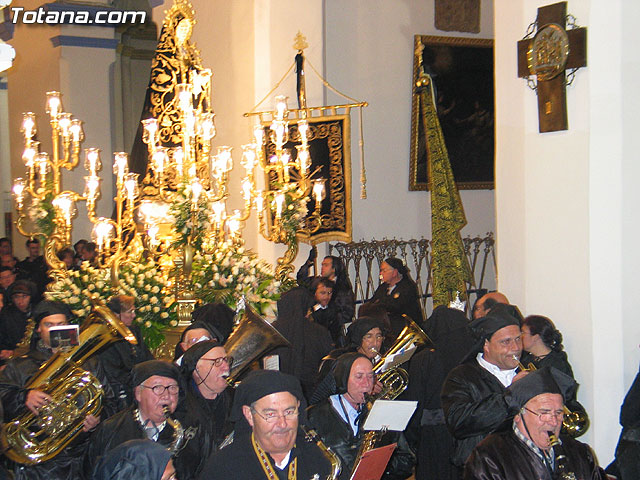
[{"x": 363, "y": 260}]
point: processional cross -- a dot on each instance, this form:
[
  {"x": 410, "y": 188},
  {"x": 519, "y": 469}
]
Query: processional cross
[{"x": 548, "y": 54}]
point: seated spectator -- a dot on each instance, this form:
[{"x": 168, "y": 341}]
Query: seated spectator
[
  {"x": 398, "y": 293},
  {"x": 324, "y": 312},
  {"x": 14, "y": 317},
  {"x": 136, "y": 460},
  {"x": 34, "y": 267},
  {"x": 90, "y": 253},
  {"x": 8, "y": 260},
  {"x": 66, "y": 256},
  {"x": 79, "y": 248},
  {"x": 5, "y": 246},
  {"x": 7, "y": 277},
  {"x": 332, "y": 268}
]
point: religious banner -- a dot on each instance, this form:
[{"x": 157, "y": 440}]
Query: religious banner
[
  {"x": 330, "y": 150},
  {"x": 450, "y": 268}
]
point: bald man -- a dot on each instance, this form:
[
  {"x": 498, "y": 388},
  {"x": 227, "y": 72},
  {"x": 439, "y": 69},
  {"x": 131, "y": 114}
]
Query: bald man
[{"x": 486, "y": 302}]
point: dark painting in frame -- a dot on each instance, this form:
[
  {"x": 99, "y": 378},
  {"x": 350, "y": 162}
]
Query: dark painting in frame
[{"x": 462, "y": 73}]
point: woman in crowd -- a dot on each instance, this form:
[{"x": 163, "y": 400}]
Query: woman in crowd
[
  {"x": 542, "y": 344},
  {"x": 398, "y": 293}
]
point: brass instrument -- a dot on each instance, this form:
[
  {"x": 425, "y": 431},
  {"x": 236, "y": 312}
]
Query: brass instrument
[
  {"x": 394, "y": 380},
  {"x": 180, "y": 436},
  {"x": 575, "y": 423},
  {"x": 250, "y": 339},
  {"x": 336, "y": 465},
  {"x": 31, "y": 439}
]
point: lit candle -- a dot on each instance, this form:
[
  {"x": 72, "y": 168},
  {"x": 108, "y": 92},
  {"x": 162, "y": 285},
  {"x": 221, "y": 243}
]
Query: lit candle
[
  {"x": 66, "y": 205},
  {"x": 178, "y": 158},
  {"x": 303, "y": 128},
  {"x": 150, "y": 126},
  {"x": 120, "y": 161},
  {"x": 28, "y": 125},
  {"x": 159, "y": 159},
  {"x": 207, "y": 129},
  {"x": 42, "y": 160},
  {"x": 318, "y": 190},
  {"x": 92, "y": 160},
  {"x": 258, "y": 134},
  {"x": 54, "y": 104},
  {"x": 29, "y": 154},
  {"x": 303, "y": 159},
  {"x": 131, "y": 185},
  {"x": 64, "y": 120},
  {"x": 246, "y": 189},
  {"x": 259, "y": 202},
  {"x": 279, "y": 204},
  {"x": 19, "y": 186},
  {"x": 92, "y": 186},
  {"x": 196, "y": 190},
  {"x": 77, "y": 134},
  {"x": 281, "y": 106},
  {"x": 183, "y": 94},
  {"x": 249, "y": 156}
]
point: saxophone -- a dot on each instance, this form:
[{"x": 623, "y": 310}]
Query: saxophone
[
  {"x": 336, "y": 465},
  {"x": 561, "y": 471},
  {"x": 180, "y": 436}
]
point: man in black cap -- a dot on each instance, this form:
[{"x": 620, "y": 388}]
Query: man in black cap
[
  {"x": 267, "y": 440},
  {"x": 473, "y": 392},
  {"x": 15, "y": 397},
  {"x": 530, "y": 446},
  {"x": 157, "y": 387},
  {"x": 207, "y": 403}
]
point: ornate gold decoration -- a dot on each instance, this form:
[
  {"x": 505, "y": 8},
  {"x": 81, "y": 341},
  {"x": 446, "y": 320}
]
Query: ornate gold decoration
[{"x": 549, "y": 51}]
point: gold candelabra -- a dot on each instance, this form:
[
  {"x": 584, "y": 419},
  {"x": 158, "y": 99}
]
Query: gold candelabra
[{"x": 41, "y": 191}]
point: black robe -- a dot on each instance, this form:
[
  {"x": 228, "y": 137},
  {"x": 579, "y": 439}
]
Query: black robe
[
  {"x": 503, "y": 456},
  {"x": 67, "y": 465},
  {"x": 428, "y": 369},
  {"x": 123, "y": 426},
  {"x": 403, "y": 299},
  {"x": 238, "y": 460},
  {"x": 118, "y": 360},
  {"x": 474, "y": 406}
]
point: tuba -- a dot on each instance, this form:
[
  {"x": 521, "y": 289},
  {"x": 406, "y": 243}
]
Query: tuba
[
  {"x": 31, "y": 439},
  {"x": 394, "y": 380},
  {"x": 575, "y": 423},
  {"x": 250, "y": 339}
]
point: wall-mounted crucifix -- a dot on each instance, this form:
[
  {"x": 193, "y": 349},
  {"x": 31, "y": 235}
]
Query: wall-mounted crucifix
[{"x": 548, "y": 51}]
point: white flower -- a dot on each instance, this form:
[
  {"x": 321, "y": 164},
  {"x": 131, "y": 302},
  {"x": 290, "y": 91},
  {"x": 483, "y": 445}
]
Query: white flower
[
  {"x": 91, "y": 287},
  {"x": 147, "y": 324},
  {"x": 166, "y": 315},
  {"x": 153, "y": 300},
  {"x": 173, "y": 323},
  {"x": 156, "y": 309},
  {"x": 74, "y": 299},
  {"x": 85, "y": 278},
  {"x": 100, "y": 284},
  {"x": 147, "y": 288},
  {"x": 155, "y": 289},
  {"x": 145, "y": 297}
]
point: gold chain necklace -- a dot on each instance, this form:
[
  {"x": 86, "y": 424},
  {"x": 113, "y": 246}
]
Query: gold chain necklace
[{"x": 266, "y": 464}]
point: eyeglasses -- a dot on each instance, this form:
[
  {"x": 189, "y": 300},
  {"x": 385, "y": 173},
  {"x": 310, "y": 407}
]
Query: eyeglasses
[
  {"x": 160, "y": 389},
  {"x": 216, "y": 362},
  {"x": 272, "y": 417},
  {"x": 547, "y": 416}
]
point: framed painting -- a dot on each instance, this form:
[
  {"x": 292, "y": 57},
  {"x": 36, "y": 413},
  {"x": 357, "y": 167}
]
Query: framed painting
[{"x": 462, "y": 74}]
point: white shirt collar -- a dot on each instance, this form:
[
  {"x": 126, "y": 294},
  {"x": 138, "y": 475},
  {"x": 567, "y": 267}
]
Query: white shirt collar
[
  {"x": 284, "y": 462},
  {"x": 505, "y": 377}
]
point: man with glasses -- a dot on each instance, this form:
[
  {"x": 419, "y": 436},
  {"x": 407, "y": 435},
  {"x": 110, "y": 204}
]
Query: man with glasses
[
  {"x": 207, "y": 402},
  {"x": 473, "y": 392},
  {"x": 157, "y": 388},
  {"x": 526, "y": 447},
  {"x": 267, "y": 442}
]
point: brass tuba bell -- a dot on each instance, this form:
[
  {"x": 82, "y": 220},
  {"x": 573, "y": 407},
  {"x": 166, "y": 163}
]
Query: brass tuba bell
[
  {"x": 31, "y": 439},
  {"x": 250, "y": 339}
]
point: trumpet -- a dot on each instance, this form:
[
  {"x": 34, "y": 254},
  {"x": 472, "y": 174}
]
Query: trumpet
[{"x": 575, "y": 423}]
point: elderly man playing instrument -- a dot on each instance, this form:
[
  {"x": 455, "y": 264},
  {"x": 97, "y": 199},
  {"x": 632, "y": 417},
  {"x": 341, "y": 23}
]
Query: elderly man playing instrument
[
  {"x": 267, "y": 442},
  {"x": 530, "y": 446},
  {"x": 157, "y": 387}
]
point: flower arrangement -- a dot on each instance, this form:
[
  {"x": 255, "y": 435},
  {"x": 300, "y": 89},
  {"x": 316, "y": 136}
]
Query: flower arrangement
[
  {"x": 294, "y": 209},
  {"x": 190, "y": 227},
  {"x": 232, "y": 273},
  {"x": 154, "y": 299},
  {"x": 42, "y": 213}
]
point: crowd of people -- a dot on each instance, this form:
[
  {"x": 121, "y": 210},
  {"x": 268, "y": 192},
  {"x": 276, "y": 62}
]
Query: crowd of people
[{"x": 491, "y": 393}]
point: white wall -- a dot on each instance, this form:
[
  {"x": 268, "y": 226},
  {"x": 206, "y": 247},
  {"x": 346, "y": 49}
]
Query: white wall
[
  {"x": 369, "y": 56},
  {"x": 564, "y": 201}
]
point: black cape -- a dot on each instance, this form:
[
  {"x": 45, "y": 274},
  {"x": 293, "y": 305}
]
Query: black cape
[
  {"x": 503, "y": 456},
  {"x": 403, "y": 299}
]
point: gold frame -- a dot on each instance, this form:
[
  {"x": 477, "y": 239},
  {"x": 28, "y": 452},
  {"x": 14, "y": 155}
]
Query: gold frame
[
  {"x": 416, "y": 184},
  {"x": 331, "y": 183}
]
